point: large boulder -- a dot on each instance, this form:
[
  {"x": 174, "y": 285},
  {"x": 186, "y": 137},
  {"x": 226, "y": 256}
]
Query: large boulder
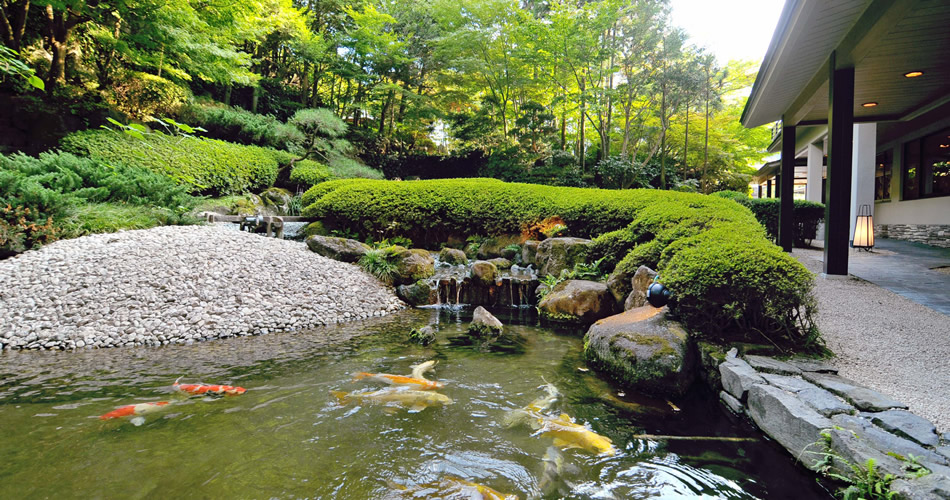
[
  {"x": 337, "y": 248},
  {"x": 577, "y": 301},
  {"x": 278, "y": 198},
  {"x": 417, "y": 294},
  {"x": 529, "y": 252},
  {"x": 643, "y": 350},
  {"x": 786, "y": 419},
  {"x": 495, "y": 246},
  {"x": 501, "y": 262},
  {"x": 453, "y": 256},
  {"x": 412, "y": 265},
  {"x": 484, "y": 272},
  {"x": 557, "y": 254}
]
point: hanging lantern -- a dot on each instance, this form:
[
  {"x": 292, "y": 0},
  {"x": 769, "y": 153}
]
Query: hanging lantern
[{"x": 864, "y": 229}]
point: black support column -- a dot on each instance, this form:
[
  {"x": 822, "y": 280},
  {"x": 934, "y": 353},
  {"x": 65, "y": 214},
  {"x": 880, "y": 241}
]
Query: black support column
[
  {"x": 786, "y": 216},
  {"x": 838, "y": 184}
]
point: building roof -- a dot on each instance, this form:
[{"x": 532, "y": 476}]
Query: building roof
[{"x": 881, "y": 39}]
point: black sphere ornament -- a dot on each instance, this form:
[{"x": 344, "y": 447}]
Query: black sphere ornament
[{"x": 658, "y": 295}]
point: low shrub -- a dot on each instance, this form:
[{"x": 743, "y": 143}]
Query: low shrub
[
  {"x": 310, "y": 173},
  {"x": 726, "y": 277},
  {"x": 206, "y": 166},
  {"x": 238, "y": 125},
  {"x": 807, "y": 215},
  {"x": 60, "y": 195}
]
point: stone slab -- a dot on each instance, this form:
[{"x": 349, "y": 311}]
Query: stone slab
[
  {"x": 821, "y": 400},
  {"x": 738, "y": 377},
  {"x": 944, "y": 450},
  {"x": 861, "y": 397},
  {"x": 731, "y": 402},
  {"x": 789, "y": 421},
  {"x": 812, "y": 365},
  {"x": 885, "y": 441},
  {"x": 772, "y": 365},
  {"x": 929, "y": 487},
  {"x": 849, "y": 448},
  {"x": 907, "y": 425}
]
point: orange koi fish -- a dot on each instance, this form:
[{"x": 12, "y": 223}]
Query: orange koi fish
[
  {"x": 133, "y": 410},
  {"x": 416, "y": 380},
  {"x": 218, "y": 390},
  {"x": 451, "y": 488}
]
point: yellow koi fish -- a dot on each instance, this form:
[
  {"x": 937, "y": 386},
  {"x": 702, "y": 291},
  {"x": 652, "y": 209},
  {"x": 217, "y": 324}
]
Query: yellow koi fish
[
  {"x": 567, "y": 434},
  {"x": 416, "y": 380},
  {"x": 452, "y": 488},
  {"x": 415, "y": 401}
]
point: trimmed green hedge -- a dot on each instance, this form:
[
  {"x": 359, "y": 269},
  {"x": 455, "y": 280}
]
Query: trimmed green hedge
[
  {"x": 208, "y": 166},
  {"x": 309, "y": 172},
  {"x": 807, "y": 215},
  {"x": 727, "y": 279}
]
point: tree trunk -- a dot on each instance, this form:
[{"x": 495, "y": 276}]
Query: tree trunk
[
  {"x": 13, "y": 23},
  {"x": 583, "y": 128},
  {"x": 663, "y": 125},
  {"x": 706, "y": 138},
  {"x": 255, "y": 98},
  {"x": 563, "y": 130},
  {"x": 59, "y": 27},
  {"x": 227, "y": 94},
  {"x": 686, "y": 142},
  {"x": 305, "y": 83}
]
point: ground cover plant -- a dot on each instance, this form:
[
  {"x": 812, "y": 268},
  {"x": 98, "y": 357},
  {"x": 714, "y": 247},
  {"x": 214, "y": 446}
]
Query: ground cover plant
[
  {"x": 714, "y": 256},
  {"x": 60, "y": 195}
]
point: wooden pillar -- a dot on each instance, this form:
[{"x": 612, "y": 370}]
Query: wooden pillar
[
  {"x": 768, "y": 188},
  {"x": 760, "y": 191},
  {"x": 838, "y": 184},
  {"x": 786, "y": 215}
]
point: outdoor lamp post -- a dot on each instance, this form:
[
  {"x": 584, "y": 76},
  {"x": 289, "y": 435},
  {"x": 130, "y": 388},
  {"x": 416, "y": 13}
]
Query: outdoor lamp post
[{"x": 864, "y": 229}]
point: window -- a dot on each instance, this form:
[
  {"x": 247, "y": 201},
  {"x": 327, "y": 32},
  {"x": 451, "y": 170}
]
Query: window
[
  {"x": 882, "y": 176},
  {"x": 926, "y": 167}
]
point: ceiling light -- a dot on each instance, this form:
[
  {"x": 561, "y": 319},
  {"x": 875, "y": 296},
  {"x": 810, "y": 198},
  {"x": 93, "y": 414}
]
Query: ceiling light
[
  {"x": 913, "y": 74},
  {"x": 869, "y": 104}
]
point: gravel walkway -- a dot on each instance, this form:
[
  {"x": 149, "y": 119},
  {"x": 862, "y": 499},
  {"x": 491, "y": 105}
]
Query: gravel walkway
[
  {"x": 176, "y": 284},
  {"x": 885, "y": 341}
]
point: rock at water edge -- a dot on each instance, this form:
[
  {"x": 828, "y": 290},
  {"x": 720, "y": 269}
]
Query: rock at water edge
[
  {"x": 786, "y": 419},
  {"x": 413, "y": 265},
  {"x": 907, "y": 425},
  {"x": 529, "y": 252},
  {"x": 861, "y": 397},
  {"x": 643, "y": 350},
  {"x": 453, "y": 256},
  {"x": 341, "y": 249},
  {"x": 416, "y": 294},
  {"x": 738, "y": 377},
  {"x": 557, "y": 254},
  {"x": 639, "y": 283},
  {"x": 484, "y": 272},
  {"x": 484, "y": 324},
  {"x": 577, "y": 301}
]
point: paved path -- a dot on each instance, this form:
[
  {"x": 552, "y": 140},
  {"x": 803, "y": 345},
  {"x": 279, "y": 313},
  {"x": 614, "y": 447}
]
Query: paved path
[{"x": 906, "y": 269}]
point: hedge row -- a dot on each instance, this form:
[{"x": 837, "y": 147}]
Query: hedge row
[
  {"x": 208, "y": 166},
  {"x": 807, "y": 215},
  {"x": 712, "y": 254}
]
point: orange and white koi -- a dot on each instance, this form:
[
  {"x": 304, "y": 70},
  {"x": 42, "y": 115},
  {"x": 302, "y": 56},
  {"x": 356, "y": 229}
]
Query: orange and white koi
[
  {"x": 416, "y": 381},
  {"x": 416, "y": 401},
  {"x": 133, "y": 410},
  {"x": 217, "y": 390}
]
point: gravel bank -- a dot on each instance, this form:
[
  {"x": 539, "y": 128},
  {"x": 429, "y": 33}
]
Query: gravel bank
[
  {"x": 886, "y": 342},
  {"x": 176, "y": 284}
]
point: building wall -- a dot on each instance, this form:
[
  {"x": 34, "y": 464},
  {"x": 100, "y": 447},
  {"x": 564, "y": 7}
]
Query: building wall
[{"x": 923, "y": 221}]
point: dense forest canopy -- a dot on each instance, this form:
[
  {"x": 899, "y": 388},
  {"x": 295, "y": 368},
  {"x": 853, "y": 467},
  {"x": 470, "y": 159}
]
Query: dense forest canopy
[{"x": 603, "y": 92}]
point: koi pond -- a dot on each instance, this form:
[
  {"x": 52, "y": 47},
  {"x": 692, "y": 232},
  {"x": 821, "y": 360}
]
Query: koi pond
[{"x": 289, "y": 436}]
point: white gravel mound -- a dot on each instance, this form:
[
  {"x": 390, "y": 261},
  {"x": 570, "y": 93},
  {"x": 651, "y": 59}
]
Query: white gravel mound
[{"x": 176, "y": 284}]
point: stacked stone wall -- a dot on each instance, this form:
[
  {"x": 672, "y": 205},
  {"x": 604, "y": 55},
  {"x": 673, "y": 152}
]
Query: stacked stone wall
[{"x": 937, "y": 235}]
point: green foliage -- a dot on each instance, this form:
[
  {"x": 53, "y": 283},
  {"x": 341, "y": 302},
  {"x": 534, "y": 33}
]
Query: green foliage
[
  {"x": 205, "y": 165},
  {"x": 807, "y": 215},
  {"x": 58, "y": 194},
  {"x": 10, "y": 65},
  {"x": 381, "y": 263},
  {"x": 310, "y": 173},
  {"x": 238, "y": 125},
  {"x": 712, "y": 254},
  {"x": 140, "y": 95}
]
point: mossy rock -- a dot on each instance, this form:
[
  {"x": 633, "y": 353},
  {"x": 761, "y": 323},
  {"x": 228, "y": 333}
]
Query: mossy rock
[
  {"x": 577, "y": 301},
  {"x": 484, "y": 272},
  {"x": 412, "y": 265},
  {"x": 643, "y": 351},
  {"x": 453, "y": 256},
  {"x": 315, "y": 228},
  {"x": 416, "y": 294},
  {"x": 557, "y": 254}
]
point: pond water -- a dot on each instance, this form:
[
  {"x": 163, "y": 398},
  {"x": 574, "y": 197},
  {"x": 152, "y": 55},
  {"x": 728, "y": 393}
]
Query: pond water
[{"x": 288, "y": 437}]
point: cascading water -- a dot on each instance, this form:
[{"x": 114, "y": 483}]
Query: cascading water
[{"x": 452, "y": 286}]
